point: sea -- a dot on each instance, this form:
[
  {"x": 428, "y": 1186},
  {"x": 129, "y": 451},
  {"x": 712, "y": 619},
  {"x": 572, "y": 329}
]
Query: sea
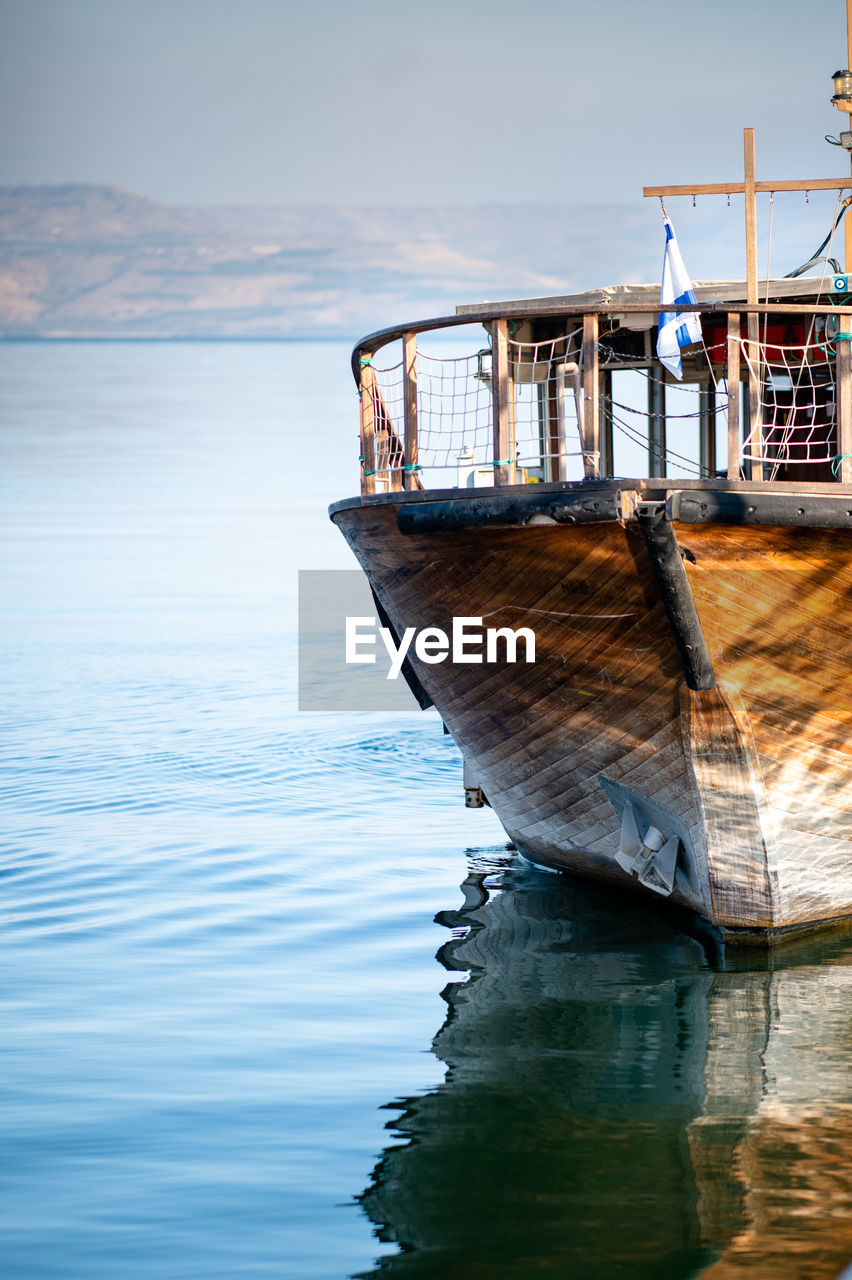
[{"x": 273, "y": 1002}]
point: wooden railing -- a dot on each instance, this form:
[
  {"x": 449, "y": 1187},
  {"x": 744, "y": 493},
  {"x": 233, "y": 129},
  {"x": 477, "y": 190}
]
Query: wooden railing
[{"x": 390, "y": 448}]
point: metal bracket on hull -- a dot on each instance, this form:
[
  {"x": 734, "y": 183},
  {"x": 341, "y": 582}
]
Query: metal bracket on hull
[
  {"x": 651, "y": 858},
  {"x": 654, "y": 843},
  {"x": 474, "y": 796}
]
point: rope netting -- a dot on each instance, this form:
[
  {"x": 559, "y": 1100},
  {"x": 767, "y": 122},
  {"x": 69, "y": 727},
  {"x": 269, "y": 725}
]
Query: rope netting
[
  {"x": 455, "y": 414},
  {"x": 545, "y": 409},
  {"x": 670, "y": 427},
  {"x": 454, "y": 418},
  {"x": 796, "y": 420},
  {"x": 388, "y": 418}
]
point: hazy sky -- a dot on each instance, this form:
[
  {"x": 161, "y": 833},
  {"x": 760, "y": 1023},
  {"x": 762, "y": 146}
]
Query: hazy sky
[{"x": 382, "y": 101}]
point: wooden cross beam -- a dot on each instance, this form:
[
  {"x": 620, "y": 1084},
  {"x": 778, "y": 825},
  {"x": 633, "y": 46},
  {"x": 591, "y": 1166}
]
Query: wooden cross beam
[{"x": 749, "y": 187}]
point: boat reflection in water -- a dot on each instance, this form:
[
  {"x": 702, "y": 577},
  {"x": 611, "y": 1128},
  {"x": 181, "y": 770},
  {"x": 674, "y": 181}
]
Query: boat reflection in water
[{"x": 622, "y": 1099}]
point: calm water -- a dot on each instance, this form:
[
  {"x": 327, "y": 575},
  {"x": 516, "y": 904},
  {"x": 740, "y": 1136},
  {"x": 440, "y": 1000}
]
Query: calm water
[{"x": 273, "y": 1002}]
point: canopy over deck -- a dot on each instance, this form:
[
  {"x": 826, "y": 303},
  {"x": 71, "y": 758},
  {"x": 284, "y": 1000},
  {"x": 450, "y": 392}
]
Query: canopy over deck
[{"x": 800, "y": 289}]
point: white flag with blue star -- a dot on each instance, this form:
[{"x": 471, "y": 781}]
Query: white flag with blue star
[{"x": 675, "y": 330}]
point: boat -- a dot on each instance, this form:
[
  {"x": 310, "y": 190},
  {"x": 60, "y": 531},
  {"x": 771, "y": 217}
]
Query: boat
[{"x": 683, "y": 726}]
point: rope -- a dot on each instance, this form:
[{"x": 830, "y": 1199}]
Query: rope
[
  {"x": 639, "y": 437},
  {"x": 837, "y": 220},
  {"x": 713, "y": 378},
  {"x": 836, "y": 461},
  {"x": 839, "y": 216},
  {"x": 768, "y": 263}
]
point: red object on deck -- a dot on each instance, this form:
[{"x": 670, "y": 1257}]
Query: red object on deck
[{"x": 779, "y": 337}]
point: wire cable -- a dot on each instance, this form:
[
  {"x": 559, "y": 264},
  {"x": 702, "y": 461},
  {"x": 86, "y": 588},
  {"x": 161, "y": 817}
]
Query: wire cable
[{"x": 811, "y": 262}]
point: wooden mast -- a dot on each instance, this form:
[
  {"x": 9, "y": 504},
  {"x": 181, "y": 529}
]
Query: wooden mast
[
  {"x": 754, "y": 426},
  {"x": 848, "y": 228},
  {"x": 749, "y": 188}
]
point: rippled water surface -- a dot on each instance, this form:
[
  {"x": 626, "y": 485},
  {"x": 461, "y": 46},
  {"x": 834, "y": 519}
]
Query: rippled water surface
[{"x": 273, "y": 1002}]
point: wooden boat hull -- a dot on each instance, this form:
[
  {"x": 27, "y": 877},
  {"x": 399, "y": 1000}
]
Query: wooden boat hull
[{"x": 752, "y": 773}]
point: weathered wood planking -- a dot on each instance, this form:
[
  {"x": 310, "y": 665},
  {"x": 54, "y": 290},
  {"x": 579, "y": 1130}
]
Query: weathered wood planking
[
  {"x": 726, "y": 770},
  {"x": 776, "y": 607},
  {"x": 602, "y": 697}
]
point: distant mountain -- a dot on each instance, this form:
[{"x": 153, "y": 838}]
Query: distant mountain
[
  {"x": 78, "y": 214},
  {"x": 97, "y": 261}
]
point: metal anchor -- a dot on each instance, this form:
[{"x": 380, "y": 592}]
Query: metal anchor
[{"x": 651, "y": 858}]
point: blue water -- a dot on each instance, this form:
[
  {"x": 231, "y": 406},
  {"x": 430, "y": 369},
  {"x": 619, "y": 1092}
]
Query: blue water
[{"x": 273, "y": 1002}]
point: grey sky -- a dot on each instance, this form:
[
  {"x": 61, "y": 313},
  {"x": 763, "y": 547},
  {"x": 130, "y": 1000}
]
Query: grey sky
[{"x": 256, "y": 101}]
